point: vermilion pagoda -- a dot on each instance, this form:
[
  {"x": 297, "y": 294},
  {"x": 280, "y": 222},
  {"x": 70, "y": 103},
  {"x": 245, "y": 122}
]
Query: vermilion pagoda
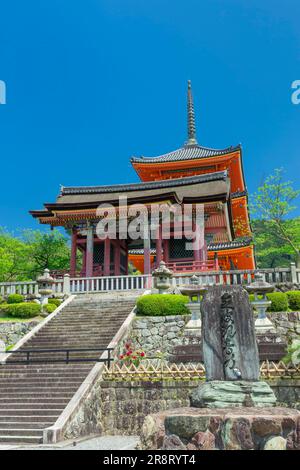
[{"x": 190, "y": 175}]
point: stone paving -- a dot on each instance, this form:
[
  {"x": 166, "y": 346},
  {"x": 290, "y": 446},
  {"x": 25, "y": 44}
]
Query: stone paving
[{"x": 95, "y": 443}]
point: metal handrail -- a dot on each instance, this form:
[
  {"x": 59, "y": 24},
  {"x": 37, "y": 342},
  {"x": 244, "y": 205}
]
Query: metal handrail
[{"x": 66, "y": 360}]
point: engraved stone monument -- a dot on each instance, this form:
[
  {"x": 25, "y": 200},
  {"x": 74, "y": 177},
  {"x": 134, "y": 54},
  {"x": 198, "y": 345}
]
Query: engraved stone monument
[{"x": 230, "y": 352}]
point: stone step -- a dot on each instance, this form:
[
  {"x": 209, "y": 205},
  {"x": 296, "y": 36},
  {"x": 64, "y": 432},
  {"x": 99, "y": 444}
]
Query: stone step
[
  {"x": 40, "y": 382},
  {"x": 40, "y": 406},
  {"x": 29, "y": 402},
  {"x": 24, "y": 425},
  {"x": 33, "y": 418},
  {"x": 40, "y": 395},
  {"x": 53, "y": 388},
  {"x": 21, "y": 439},
  {"x": 21, "y": 432},
  {"x": 33, "y": 412}
]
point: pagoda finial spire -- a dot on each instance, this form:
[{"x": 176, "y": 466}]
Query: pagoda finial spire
[{"x": 191, "y": 117}]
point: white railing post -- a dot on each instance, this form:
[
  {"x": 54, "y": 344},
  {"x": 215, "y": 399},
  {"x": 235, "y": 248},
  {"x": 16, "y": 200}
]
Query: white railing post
[
  {"x": 66, "y": 284},
  {"x": 294, "y": 273}
]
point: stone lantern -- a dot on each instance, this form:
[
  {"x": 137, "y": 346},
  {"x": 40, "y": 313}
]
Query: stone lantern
[
  {"x": 45, "y": 283},
  {"x": 261, "y": 287},
  {"x": 194, "y": 290},
  {"x": 162, "y": 278}
]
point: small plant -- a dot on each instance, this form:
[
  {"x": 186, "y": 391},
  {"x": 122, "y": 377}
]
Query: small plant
[
  {"x": 294, "y": 300},
  {"x": 15, "y": 299},
  {"x": 131, "y": 355},
  {"x": 293, "y": 353},
  {"x": 56, "y": 302},
  {"x": 21, "y": 310},
  {"x": 279, "y": 302},
  {"x": 49, "y": 308}
]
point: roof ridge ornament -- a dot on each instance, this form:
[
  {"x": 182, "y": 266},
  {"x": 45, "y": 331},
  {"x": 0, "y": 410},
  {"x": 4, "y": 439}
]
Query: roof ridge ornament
[{"x": 191, "y": 117}]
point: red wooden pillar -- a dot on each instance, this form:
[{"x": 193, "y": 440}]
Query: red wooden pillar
[
  {"x": 117, "y": 258},
  {"x": 106, "y": 268},
  {"x": 73, "y": 252},
  {"x": 158, "y": 245},
  {"x": 83, "y": 271},
  {"x": 89, "y": 252}
]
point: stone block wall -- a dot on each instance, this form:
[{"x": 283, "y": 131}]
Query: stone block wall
[
  {"x": 163, "y": 333},
  {"x": 124, "y": 405},
  {"x": 12, "y": 332},
  {"x": 157, "y": 333}
]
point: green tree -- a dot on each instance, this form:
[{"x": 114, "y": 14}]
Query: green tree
[
  {"x": 271, "y": 251},
  {"x": 47, "y": 250},
  {"x": 15, "y": 263},
  {"x": 273, "y": 203},
  {"x": 23, "y": 257}
]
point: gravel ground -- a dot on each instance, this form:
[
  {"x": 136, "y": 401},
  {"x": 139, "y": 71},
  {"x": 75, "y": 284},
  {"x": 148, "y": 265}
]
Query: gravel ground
[{"x": 95, "y": 443}]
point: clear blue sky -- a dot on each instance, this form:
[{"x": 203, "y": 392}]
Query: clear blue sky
[{"x": 91, "y": 83}]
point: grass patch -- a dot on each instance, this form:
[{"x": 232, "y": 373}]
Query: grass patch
[{"x": 19, "y": 320}]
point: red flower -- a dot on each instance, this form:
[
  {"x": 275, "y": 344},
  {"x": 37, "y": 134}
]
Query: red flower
[
  {"x": 142, "y": 354},
  {"x": 129, "y": 353},
  {"x": 133, "y": 357},
  {"x": 121, "y": 357},
  {"x": 127, "y": 345}
]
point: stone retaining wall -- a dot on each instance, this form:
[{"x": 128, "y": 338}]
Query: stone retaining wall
[
  {"x": 12, "y": 332},
  {"x": 163, "y": 333},
  {"x": 124, "y": 405},
  {"x": 157, "y": 333}
]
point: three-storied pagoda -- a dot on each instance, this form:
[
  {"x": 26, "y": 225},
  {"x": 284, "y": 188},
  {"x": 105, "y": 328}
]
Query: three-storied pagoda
[{"x": 192, "y": 174}]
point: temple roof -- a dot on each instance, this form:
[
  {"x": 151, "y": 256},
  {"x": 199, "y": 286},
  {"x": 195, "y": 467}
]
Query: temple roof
[
  {"x": 187, "y": 152},
  {"x": 217, "y": 176},
  {"x": 191, "y": 150},
  {"x": 210, "y": 246},
  {"x": 194, "y": 189}
]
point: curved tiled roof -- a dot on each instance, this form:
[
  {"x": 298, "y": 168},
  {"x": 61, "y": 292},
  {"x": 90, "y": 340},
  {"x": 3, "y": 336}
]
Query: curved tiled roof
[
  {"x": 210, "y": 246},
  {"x": 220, "y": 175},
  {"x": 188, "y": 152},
  {"x": 238, "y": 194}
]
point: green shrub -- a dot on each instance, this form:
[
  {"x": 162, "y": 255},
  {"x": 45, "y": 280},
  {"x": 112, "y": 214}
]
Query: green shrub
[
  {"x": 21, "y": 310},
  {"x": 49, "y": 308},
  {"x": 56, "y": 302},
  {"x": 294, "y": 300},
  {"x": 162, "y": 305},
  {"x": 15, "y": 299},
  {"x": 279, "y": 302}
]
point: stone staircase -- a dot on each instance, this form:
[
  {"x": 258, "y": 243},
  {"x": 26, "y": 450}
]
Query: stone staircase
[{"x": 33, "y": 396}]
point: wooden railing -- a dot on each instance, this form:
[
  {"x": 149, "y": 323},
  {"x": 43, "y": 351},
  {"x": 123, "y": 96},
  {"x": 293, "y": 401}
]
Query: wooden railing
[{"x": 192, "y": 266}]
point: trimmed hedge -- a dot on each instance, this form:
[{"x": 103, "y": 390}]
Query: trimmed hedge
[
  {"x": 279, "y": 302},
  {"x": 162, "y": 305},
  {"x": 49, "y": 308},
  {"x": 294, "y": 300},
  {"x": 21, "y": 310},
  {"x": 56, "y": 302},
  {"x": 15, "y": 299}
]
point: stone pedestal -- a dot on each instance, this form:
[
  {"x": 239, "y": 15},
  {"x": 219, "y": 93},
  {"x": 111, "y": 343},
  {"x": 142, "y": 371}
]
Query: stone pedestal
[
  {"x": 222, "y": 429},
  {"x": 193, "y": 327},
  {"x": 240, "y": 393}
]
